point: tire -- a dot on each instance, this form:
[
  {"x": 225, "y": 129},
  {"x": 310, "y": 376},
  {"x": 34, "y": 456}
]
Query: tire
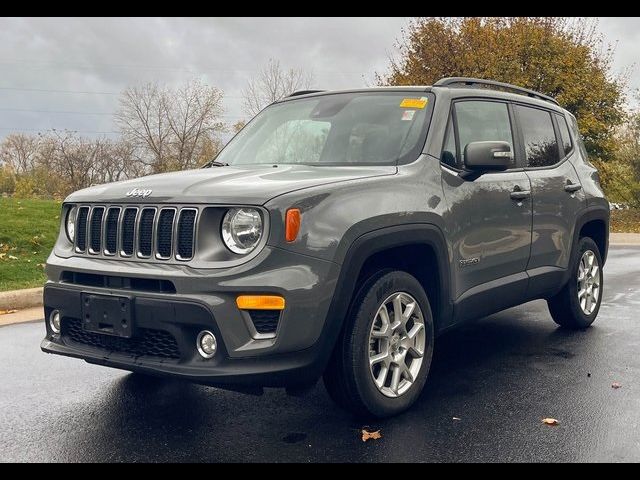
[
  {"x": 349, "y": 378},
  {"x": 565, "y": 307}
]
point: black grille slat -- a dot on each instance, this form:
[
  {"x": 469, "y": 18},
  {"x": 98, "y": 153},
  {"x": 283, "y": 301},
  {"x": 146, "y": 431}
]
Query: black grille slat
[
  {"x": 145, "y": 232},
  {"x": 81, "y": 229},
  {"x": 128, "y": 230},
  {"x": 265, "y": 321},
  {"x": 147, "y": 342},
  {"x": 111, "y": 233},
  {"x": 96, "y": 229},
  {"x": 185, "y": 240},
  {"x": 165, "y": 232}
]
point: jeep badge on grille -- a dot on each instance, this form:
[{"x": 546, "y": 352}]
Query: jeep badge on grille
[{"x": 139, "y": 192}]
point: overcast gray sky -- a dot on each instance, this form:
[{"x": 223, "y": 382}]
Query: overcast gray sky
[{"x": 67, "y": 73}]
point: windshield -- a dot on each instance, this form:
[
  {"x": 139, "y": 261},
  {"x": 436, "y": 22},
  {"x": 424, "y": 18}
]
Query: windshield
[{"x": 374, "y": 128}]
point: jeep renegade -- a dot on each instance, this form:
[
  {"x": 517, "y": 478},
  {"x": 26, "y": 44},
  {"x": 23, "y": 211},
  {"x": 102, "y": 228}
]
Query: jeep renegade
[{"x": 336, "y": 235}]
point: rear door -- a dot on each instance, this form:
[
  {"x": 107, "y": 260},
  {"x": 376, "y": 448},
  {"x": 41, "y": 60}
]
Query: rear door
[{"x": 555, "y": 191}]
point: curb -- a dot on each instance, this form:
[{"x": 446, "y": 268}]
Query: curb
[
  {"x": 20, "y": 299},
  {"x": 624, "y": 239},
  {"x": 33, "y": 314}
]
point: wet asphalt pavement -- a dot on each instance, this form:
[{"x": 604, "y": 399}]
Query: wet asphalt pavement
[{"x": 500, "y": 376}]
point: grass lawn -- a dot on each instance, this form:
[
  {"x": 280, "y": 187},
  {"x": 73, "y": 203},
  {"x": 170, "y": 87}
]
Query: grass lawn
[
  {"x": 625, "y": 221},
  {"x": 28, "y": 230}
]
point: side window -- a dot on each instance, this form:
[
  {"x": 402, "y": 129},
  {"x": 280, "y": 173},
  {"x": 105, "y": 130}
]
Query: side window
[
  {"x": 480, "y": 121},
  {"x": 449, "y": 156},
  {"x": 578, "y": 137},
  {"x": 565, "y": 138},
  {"x": 541, "y": 146}
]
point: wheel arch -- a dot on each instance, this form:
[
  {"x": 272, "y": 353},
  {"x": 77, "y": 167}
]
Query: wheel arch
[
  {"x": 593, "y": 222},
  {"x": 374, "y": 245}
]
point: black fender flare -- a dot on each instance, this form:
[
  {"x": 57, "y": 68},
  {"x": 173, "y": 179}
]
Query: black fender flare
[
  {"x": 589, "y": 214},
  {"x": 594, "y": 212},
  {"x": 369, "y": 244}
]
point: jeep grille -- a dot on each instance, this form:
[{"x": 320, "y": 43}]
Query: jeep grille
[{"x": 160, "y": 232}]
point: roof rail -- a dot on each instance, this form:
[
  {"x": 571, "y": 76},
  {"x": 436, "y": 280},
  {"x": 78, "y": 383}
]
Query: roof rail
[
  {"x": 304, "y": 92},
  {"x": 450, "y": 81}
]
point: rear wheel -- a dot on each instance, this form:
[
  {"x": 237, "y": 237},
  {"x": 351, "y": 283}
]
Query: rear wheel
[
  {"x": 383, "y": 356},
  {"x": 578, "y": 303}
]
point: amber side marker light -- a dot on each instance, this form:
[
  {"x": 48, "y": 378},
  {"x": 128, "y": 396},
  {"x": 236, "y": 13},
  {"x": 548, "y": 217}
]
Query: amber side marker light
[
  {"x": 292, "y": 224},
  {"x": 260, "y": 302}
]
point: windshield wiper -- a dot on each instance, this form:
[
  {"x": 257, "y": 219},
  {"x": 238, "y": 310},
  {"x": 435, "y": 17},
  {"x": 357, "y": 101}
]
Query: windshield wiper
[{"x": 213, "y": 163}]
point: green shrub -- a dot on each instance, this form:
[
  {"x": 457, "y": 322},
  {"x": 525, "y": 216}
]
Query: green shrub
[
  {"x": 25, "y": 187},
  {"x": 7, "y": 180},
  {"x": 619, "y": 182}
]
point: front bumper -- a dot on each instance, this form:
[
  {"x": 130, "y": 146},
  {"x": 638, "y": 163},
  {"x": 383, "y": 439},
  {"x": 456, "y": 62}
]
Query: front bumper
[{"x": 203, "y": 300}]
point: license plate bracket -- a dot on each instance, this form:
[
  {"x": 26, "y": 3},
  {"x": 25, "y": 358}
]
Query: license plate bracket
[{"x": 108, "y": 314}]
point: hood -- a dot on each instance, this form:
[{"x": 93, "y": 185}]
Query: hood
[{"x": 250, "y": 185}]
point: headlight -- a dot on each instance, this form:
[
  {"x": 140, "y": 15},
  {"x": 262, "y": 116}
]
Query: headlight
[
  {"x": 70, "y": 224},
  {"x": 242, "y": 229}
]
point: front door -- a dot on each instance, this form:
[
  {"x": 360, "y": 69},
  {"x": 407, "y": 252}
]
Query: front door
[{"x": 488, "y": 219}]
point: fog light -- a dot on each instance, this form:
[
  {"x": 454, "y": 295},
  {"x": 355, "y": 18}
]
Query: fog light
[
  {"x": 54, "y": 321},
  {"x": 207, "y": 344}
]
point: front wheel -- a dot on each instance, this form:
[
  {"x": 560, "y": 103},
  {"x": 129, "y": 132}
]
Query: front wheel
[
  {"x": 382, "y": 360},
  {"x": 578, "y": 303}
]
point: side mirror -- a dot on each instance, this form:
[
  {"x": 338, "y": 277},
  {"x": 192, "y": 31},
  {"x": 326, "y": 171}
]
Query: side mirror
[{"x": 488, "y": 156}]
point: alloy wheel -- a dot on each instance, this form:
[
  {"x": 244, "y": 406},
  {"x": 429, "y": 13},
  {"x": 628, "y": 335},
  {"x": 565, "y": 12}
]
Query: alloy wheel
[
  {"x": 396, "y": 344},
  {"x": 589, "y": 278}
]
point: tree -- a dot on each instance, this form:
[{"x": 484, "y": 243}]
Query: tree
[
  {"x": 272, "y": 84},
  {"x": 19, "y": 151},
  {"x": 61, "y": 162},
  {"x": 564, "y": 58},
  {"x": 171, "y": 128},
  {"x": 620, "y": 177}
]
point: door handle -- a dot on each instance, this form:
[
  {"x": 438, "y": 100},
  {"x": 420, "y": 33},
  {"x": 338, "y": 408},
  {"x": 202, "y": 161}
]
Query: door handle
[
  {"x": 572, "y": 187},
  {"x": 519, "y": 194}
]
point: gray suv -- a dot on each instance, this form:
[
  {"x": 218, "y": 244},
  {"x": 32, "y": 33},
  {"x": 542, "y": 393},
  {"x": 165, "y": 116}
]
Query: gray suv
[{"x": 337, "y": 235}]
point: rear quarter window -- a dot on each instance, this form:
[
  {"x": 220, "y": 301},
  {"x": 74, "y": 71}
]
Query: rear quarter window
[
  {"x": 565, "y": 138},
  {"x": 576, "y": 135}
]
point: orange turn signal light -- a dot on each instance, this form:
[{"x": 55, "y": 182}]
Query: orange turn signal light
[
  {"x": 292, "y": 224},
  {"x": 260, "y": 302}
]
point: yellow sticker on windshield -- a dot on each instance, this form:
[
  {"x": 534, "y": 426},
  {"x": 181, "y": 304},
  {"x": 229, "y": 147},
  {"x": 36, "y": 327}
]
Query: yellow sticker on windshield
[{"x": 413, "y": 103}]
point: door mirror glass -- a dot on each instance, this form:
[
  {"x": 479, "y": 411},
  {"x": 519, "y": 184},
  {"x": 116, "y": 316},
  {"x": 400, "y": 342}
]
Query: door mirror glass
[{"x": 488, "y": 156}]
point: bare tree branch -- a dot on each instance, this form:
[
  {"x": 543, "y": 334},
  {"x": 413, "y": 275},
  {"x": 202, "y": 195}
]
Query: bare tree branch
[
  {"x": 169, "y": 127},
  {"x": 273, "y": 83}
]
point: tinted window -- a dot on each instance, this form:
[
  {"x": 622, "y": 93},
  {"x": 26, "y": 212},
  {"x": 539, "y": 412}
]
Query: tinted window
[
  {"x": 449, "y": 156},
  {"x": 480, "y": 121},
  {"x": 540, "y": 143},
  {"x": 565, "y": 138},
  {"x": 578, "y": 137}
]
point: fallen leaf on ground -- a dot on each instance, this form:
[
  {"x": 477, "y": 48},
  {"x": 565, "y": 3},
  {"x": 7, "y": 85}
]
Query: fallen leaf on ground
[
  {"x": 550, "y": 421},
  {"x": 616, "y": 385},
  {"x": 366, "y": 435},
  {"x": 6, "y": 312}
]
